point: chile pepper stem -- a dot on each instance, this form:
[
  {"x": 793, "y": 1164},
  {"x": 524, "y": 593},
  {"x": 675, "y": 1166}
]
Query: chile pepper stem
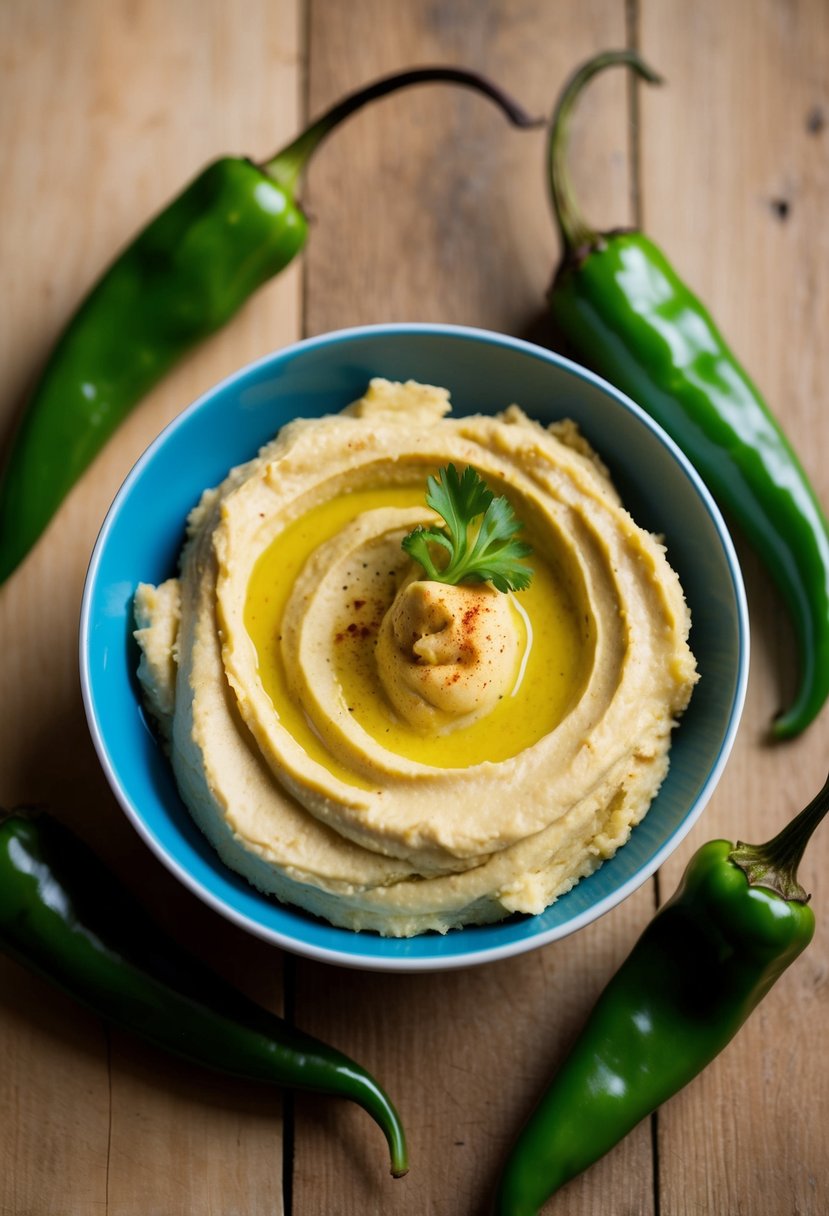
[
  {"x": 576, "y": 234},
  {"x": 287, "y": 165},
  {"x": 774, "y": 864}
]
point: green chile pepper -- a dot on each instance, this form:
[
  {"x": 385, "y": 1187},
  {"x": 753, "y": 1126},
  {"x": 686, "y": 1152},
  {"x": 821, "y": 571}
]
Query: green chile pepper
[
  {"x": 63, "y": 915},
  {"x": 738, "y": 919},
  {"x": 234, "y": 227},
  {"x": 629, "y": 316}
]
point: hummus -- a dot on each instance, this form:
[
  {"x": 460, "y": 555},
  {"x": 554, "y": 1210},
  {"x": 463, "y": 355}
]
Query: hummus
[{"x": 394, "y": 753}]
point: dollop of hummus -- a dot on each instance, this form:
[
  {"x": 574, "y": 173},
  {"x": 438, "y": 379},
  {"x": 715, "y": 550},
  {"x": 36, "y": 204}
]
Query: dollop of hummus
[
  {"x": 445, "y": 651},
  {"x": 395, "y": 753}
]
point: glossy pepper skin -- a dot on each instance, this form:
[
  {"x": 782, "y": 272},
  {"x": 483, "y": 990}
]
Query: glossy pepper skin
[
  {"x": 237, "y": 225},
  {"x": 63, "y": 915},
  {"x": 625, "y": 312},
  {"x": 738, "y": 919},
  {"x": 182, "y": 278}
]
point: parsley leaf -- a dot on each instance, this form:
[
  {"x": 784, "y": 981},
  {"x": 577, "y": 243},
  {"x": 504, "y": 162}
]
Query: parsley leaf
[{"x": 487, "y": 552}]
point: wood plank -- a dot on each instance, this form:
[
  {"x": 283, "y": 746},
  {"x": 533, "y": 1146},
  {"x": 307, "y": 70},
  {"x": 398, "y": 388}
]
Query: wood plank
[
  {"x": 441, "y": 215},
  {"x": 107, "y": 110},
  {"x": 735, "y": 179},
  {"x": 464, "y": 1054},
  {"x": 441, "y": 209}
]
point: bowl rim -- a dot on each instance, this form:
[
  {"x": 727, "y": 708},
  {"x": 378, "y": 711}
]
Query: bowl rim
[{"x": 459, "y": 958}]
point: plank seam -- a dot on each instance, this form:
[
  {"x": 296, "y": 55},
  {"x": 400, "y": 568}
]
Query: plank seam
[
  {"x": 288, "y": 1104},
  {"x": 305, "y": 26},
  {"x": 289, "y": 963},
  {"x": 108, "y": 1041},
  {"x": 632, "y": 37}
]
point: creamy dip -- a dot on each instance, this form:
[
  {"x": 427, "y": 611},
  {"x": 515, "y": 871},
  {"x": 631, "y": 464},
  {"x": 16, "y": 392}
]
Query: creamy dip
[{"x": 389, "y": 751}]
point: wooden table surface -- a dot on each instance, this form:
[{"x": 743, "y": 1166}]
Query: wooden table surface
[{"x": 426, "y": 208}]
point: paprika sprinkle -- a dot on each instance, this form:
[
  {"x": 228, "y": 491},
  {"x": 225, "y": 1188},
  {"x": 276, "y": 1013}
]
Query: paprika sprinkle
[
  {"x": 63, "y": 915},
  {"x": 234, "y": 227},
  {"x": 626, "y": 312},
  {"x": 738, "y": 919}
]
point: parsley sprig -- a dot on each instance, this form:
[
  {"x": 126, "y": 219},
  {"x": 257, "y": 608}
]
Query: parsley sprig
[{"x": 486, "y": 552}]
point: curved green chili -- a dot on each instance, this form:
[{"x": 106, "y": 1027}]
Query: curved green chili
[
  {"x": 627, "y": 313},
  {"x": 738, "y": 919},
  {"x": 63, "y": 915},
  {"x": 234, "y": 227}
]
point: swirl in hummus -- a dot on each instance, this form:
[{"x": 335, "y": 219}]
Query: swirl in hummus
[{"x": 394, "y": 753}]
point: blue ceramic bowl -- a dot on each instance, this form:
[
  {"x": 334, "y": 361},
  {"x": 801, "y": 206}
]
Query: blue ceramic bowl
[{"x": 143, "y": 532}]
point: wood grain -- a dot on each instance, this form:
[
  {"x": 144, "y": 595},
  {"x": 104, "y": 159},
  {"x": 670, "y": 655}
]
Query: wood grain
[
  {"x": 446, "y": 219},
  {"x": 107, "y": 110},
  {"x": 725, "y": 144},
  {"x": 426, "y": 207}
]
